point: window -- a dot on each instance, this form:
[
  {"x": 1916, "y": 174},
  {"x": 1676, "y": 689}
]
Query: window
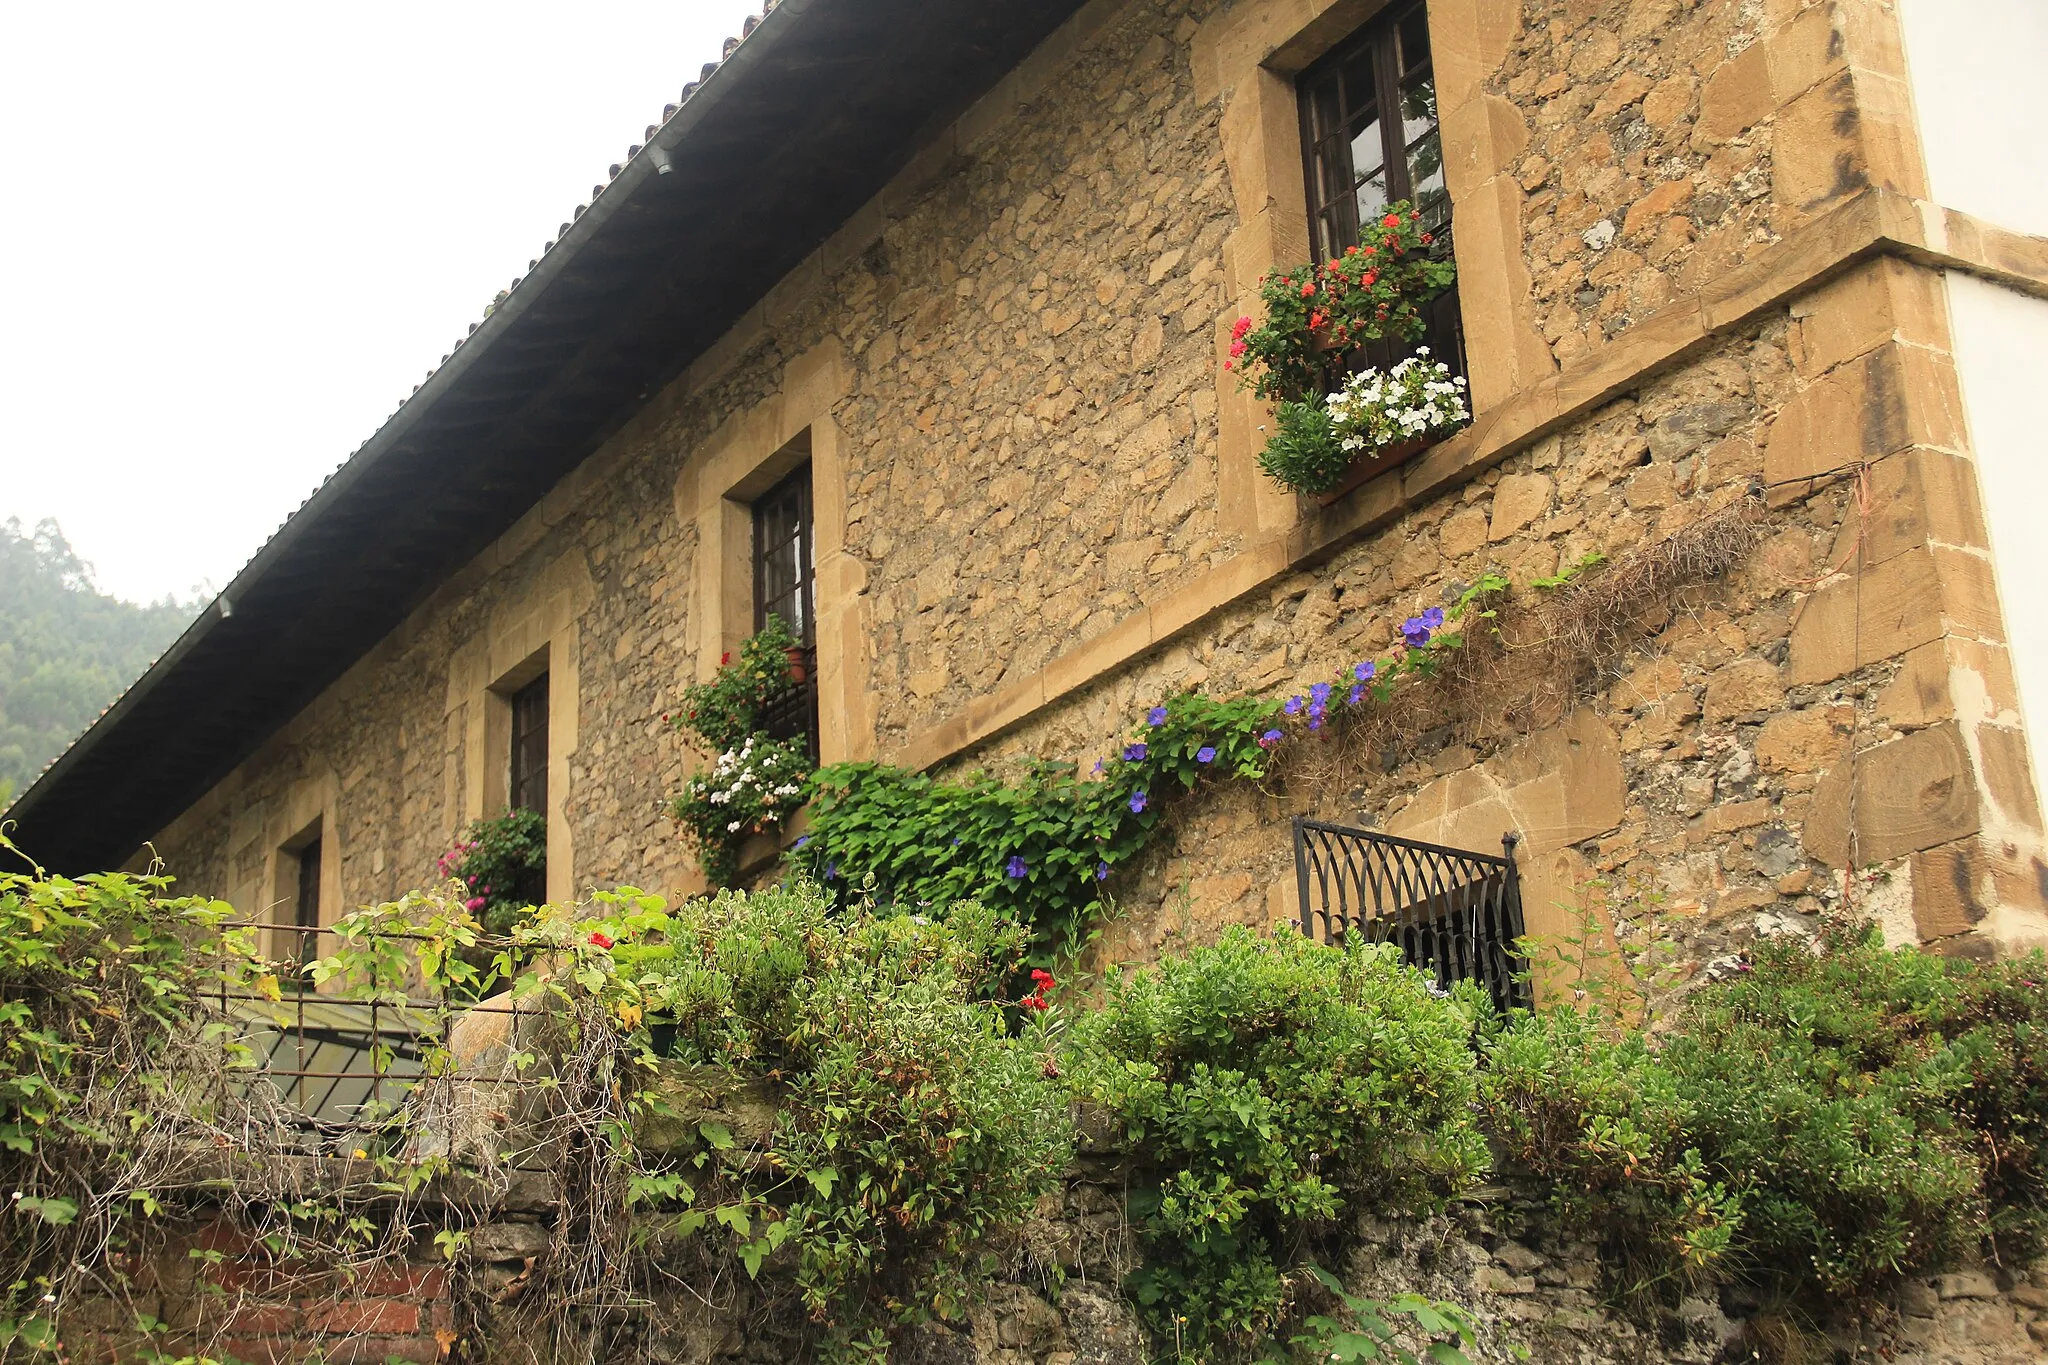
[
  {"x": 528, "y": 785},
  {"x": 782, "y": 556},
  {"x": 1369, "y": 135},
  {"x": 783, "y": 586},
  {"x": 303, "y": 948}
]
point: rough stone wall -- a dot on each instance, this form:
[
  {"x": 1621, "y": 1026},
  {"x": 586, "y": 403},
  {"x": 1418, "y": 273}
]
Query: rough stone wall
[
  {"x": 1031, "y": 448},
  {"x": 1037, "y": 452},
  {"x": 1528, "y": 1282}
]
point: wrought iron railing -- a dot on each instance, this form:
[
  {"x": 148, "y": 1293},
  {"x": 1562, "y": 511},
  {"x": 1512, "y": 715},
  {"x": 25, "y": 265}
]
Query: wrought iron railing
[
  {"x": 1452, "y": 911},
  {"x": 342, "y": 1061},
  {"x": 794, "y": 711}
]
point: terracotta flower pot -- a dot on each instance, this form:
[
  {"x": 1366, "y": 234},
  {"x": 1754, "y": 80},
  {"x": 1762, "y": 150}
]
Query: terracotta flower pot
[
  {"x": 798, "y": 670},
  {"x": 1369, "y": 467}
]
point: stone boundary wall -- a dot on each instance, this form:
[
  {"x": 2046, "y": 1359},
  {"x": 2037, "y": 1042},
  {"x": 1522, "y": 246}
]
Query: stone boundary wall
[{"x": 1499, "y": 1252}]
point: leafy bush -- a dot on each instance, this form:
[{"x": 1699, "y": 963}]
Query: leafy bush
[
  {"x": 1829, "y": 1120},
  {"x": 503, "y": 862},
  {"x": 727, "y": 709},
  {"x": 1270, "y": 1085},
  {"x": 1582, "y": 1103},
  {"x": 912, "y": 1127},
  {"x": 750, "y": 789},
  {"x": 1037, "y": 848},
  {"x": 1304, "y": 452}
]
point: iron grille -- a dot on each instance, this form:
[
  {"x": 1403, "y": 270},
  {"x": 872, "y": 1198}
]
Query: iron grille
[
  {"x": 1452, "y": 911},
  {"x": 794, "y": 711},
  {"x": 341, "y": 1062}
]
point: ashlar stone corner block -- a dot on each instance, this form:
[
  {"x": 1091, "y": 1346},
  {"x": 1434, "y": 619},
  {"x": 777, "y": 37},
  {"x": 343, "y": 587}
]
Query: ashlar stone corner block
[{"x": 1913, "y": 793}]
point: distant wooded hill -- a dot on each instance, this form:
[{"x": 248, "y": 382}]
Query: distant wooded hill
[{"x": 66, "y": 649}]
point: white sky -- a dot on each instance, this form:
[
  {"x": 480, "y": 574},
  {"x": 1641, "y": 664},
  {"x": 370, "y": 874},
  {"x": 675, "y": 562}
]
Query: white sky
[{"x": 236, "y": 235}]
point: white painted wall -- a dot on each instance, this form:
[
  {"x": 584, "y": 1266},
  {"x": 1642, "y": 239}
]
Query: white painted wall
[
  {"x": 2001, "y": 349},
  {"x": 1979, "y": 71}
]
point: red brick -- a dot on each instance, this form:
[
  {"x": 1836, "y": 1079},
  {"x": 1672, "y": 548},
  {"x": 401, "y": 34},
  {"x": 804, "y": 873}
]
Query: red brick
[
  {"x": 403, "y": 1282},
  {"x": 382, "y": 1317}
]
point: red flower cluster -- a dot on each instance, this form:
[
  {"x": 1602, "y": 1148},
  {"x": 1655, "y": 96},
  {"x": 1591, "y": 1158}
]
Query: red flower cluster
[
  {"x": 600, "y": 940},
  {"x": 1319, "y": 313},
  {"x": 1041, "y": 982}
]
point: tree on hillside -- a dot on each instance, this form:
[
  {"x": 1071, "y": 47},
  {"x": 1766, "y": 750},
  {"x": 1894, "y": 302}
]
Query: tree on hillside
[{"x": 66, "y": 649}]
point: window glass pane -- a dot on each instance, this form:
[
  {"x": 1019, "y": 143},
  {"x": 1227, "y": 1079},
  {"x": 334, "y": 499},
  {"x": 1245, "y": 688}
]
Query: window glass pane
[
  {"x": 1326, "y": 113},
  {"x": 1360, "y": 87},
  {"x": 1425, "y": 151},
  {"x": 1414, "y": 36}
]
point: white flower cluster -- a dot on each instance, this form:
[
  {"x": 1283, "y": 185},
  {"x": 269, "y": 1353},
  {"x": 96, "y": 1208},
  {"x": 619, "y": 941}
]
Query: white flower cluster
[
  {"x": 1379, "y": 408},
  {"x": 744, "y": 778}
]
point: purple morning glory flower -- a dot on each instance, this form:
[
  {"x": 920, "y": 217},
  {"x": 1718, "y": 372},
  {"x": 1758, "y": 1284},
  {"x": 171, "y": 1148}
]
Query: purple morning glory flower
[
  {"x": 1270, "y": 738},
  {"x": 1016, "y": 867},
  {"x": 1319, "y": 695},
  {"x": 831, "y": 870},
  {"x": 1206, "y": 754},
  {"x": 802, "y": 839},
  {"x": 1098, "y": 767},
  {"x": 1293, "y": 707},
  {"x": 1357, "y": 693},
  {"x": 1156, "y": 716},
  {"x": 1134, "y": 753},
  {"x": 1363, "y": 672},
  {"x": 1433, "y": 618},
  {"x": 1102, "y": 872},
  {"x": 956, "y": 841},
  {"x": 1137, "y": 802},
  {"x": 1415, "y": 632}
]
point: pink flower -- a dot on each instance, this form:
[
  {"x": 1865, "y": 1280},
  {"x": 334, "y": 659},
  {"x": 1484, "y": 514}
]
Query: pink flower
[
  {"x": 474, "y": 903},
  {"x": 1239, "y": 328}
]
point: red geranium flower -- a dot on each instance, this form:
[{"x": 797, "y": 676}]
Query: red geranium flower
[
  {"x": 600, "y": 940},
  {"x": 1392, "y": 220}
]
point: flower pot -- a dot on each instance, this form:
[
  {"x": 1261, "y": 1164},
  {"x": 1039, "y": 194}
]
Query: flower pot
[
  {"x": 1368, "y": 467},
  {"x": 798, "y": 670}
]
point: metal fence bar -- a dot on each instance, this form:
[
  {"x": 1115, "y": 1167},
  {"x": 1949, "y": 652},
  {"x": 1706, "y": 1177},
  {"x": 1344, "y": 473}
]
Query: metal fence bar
[{"x": 1453, "y": 911}]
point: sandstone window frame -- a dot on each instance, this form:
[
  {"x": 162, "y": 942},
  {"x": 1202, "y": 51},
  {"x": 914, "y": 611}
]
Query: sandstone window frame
[
  {"x": 746, "y": 456},
  {"x": 1249, "y": 57},
  {"x": 534, "y": 631}
]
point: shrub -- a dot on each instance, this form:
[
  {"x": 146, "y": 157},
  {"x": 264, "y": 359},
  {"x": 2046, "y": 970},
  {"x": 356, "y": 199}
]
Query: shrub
[
  {"x": 1582, "y": 1103},
  {"x": 502, "y": 862},
  {"x": 1830, "y": 1119},
  {"x": 1272, "y": 1084},
  {"x": 912, "y": 1125}
]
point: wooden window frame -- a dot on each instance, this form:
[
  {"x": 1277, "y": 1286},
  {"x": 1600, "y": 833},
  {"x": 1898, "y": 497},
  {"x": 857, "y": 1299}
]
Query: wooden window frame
[
  {"x": 795, "y": 712},
  {"x": 526, "y": 781},
  {"x": 793, "y": 495},
  {"x": 1332, "y": 221}
]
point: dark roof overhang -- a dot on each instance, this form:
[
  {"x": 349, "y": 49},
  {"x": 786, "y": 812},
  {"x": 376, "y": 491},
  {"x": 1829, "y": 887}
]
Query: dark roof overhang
[{"x": 805, "y": 121}]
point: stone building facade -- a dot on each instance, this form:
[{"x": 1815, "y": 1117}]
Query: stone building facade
[{"x": 1703, "y": 245}]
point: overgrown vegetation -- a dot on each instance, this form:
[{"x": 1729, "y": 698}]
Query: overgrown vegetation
[
  {"x": 131, "y": 1113},
  {"x": 912, "y": 1128},
  {"x": 1832, "y": 1118},
  {"x": 66, "y": 649},
  {"x": 502, "y": 864},
  {"x": 1836, "y": 1116},
  {"x": 1268, "y": 1087}
]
